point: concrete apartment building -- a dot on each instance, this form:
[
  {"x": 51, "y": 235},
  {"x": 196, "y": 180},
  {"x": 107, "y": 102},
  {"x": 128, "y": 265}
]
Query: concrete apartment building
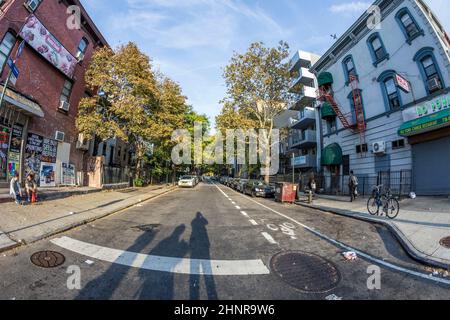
[
  {"x": 385, "y": 102},
  {"x": 37, "y": 118},
  {"x": 299, "y": 148}
]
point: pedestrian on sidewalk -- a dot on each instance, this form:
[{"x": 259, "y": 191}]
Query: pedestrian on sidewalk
[
  {"x": 353, "y": 186},
  {"x": 31, "y": 188},
  {"x": 14, "y": 188}
]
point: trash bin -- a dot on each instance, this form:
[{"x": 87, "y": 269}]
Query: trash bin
[{"x": 285, "y": 192}]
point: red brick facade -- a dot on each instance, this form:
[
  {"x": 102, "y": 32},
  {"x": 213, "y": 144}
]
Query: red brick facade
[{"x": 39, "y": 79}]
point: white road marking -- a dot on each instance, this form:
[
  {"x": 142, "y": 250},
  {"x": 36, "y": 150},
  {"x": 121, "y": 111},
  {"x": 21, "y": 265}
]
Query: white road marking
[
  {"x": 253, "y": 222},
  {"x": 244, "y": 213},
  {"x": 233, "y": 202},
  {"x": 237, "y": 207},
  {"x": 348, "y": 248},
  {"x": 269, "y": 237},
  {"x": 165, "y": 264}
]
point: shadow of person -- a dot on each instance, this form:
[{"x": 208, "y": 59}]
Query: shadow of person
[
  {"x": 159, "y": 285},
  {"x": 103, "y": 287},
  {"x": 199, "y": 246}
]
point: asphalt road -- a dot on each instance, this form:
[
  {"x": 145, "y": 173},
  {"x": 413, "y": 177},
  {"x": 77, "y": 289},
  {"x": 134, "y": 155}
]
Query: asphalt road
[{"x": 213, "y": 243}]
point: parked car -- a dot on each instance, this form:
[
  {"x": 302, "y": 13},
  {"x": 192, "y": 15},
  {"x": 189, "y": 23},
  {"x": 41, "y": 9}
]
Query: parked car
[
  {"x": 235, "y": 183},
  {"x": 187, "y": 181},
  {"x": 258, "y": 188},
  {"x": 241, "y": 185}
]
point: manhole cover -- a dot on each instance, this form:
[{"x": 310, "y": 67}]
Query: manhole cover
[
  {"x": 47, "y": 259},
  {"x": 445, "y": 242},
  {"x": 147, "y": 227},
  {"x": 305, "y": 271}
]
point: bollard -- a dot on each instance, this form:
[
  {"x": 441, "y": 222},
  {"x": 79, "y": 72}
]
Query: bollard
[{"x": 310, "y": 197}]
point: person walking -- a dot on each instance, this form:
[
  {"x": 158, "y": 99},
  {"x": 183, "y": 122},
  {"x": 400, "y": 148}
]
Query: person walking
[
  {"x": 31, "y": 188},
  {"x": 353, "y": 186},
  {"x": 14, "y": 188}
]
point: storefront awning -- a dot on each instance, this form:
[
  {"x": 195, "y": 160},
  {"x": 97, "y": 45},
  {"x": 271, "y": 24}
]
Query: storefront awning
[
  {"x": 332, "y": 155},
  {"x": 428, "y": 123},
  {"x": 22, "y": 104},
  {"x": 326, "y": 111}
]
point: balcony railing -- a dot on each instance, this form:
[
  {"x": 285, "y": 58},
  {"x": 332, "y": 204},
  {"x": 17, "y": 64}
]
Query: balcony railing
[
  {"x": 304, "y": 77},
  {"x": 306, "y": 139},
  {"x": 305, "y": 98},
  {"x": 305, "y": 119}
]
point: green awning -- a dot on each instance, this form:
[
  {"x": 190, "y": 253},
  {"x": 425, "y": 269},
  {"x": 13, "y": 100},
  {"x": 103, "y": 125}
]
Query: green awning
[
  {"x": 428, "y": 123},
  {"x": 327, "y": 111},
  {"x": 325, "y": 78},
  {"x": 332, "y": 155}
]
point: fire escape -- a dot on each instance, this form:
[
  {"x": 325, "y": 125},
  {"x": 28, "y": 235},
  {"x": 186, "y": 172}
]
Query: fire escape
[{"x": 325, "y": 94}]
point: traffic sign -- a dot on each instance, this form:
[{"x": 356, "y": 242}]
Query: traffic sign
[{"x": 20, "y": 49}]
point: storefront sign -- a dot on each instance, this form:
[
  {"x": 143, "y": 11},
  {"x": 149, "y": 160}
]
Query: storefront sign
[
  {"x": 402, "y": 83},
  {"x": 40, "y": 39},
  {"x": 427, "y": 108},
  {"x": 68, "y": 174},
  {"x": 426, "y": 124},
  {"x": 47, "y": 174},
  {"x": 16, "y": 139}
]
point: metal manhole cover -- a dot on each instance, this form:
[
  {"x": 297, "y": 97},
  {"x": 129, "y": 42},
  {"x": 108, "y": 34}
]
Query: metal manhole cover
[
  {"x": 306, "y": 272},
  {"x": 47, "y": 259},
  {"x": 445, "y": 242}
]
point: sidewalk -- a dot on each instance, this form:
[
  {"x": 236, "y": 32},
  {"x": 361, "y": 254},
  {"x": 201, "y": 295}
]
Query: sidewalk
[
  {"x": 420, "y": 225},
  {"x": 30, "y": 223},
  {"x": 51, "y": 193}
]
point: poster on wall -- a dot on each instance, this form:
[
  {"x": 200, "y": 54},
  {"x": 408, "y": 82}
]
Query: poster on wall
[
  {"x": 49, "y": 150},
  {"x": 13, "y": 163},
  {"x": 47, "y": 174},
  {"x": 33, "y": 152},
  {"x": 41, "y": 40},
  {"x": 68, "y": 174},
  {"x": 16, "y": 139}
]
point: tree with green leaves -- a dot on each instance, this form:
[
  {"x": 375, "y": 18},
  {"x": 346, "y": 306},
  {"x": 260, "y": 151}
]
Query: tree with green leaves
[{"x": 257, "y": 84}]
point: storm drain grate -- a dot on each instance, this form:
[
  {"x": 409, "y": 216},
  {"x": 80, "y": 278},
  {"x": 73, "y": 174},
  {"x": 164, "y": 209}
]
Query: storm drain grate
[
  {"x": 147, "y": 227},
  {"x": 445, "y": 242},
  {"x": 47, "y": 259},
  {"x": 306, "y": 272}
]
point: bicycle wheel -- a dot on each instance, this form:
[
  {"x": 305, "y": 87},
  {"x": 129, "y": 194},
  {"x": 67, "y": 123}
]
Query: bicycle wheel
[
  {"x": 372, "y": 206},
  {"x": 393, "y": 207}
]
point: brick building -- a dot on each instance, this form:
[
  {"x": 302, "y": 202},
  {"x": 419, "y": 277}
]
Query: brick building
[{"x": 37, "y": 117}]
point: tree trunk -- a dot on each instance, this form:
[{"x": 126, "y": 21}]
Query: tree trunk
[{"x": 139, "y": 159}]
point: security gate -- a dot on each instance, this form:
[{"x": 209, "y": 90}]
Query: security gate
[{"x": 431, "y": 161}]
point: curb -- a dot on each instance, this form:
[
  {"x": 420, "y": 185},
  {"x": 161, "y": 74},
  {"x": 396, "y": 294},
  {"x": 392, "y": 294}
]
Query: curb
[
  {"x": 83, "y": 222},
  {"x": 401, "y": 238}
]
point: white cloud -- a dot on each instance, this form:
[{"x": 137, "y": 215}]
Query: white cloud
[{"x": 350, "y": 7}]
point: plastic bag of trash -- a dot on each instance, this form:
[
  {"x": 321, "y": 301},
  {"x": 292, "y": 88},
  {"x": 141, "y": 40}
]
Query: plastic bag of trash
[
  {"x": 412, "y": 195},
  {"x": 350, "y": 255}
]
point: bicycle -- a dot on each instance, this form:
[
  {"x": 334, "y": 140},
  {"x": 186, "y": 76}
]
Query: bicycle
[{"x": 390, "y": 205}]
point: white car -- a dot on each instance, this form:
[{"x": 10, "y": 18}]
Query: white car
[{"x": 187, "y": 181}]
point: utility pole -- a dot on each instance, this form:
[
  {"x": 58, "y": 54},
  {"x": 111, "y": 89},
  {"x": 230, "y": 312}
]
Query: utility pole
[{"x": 293, "y": 168}]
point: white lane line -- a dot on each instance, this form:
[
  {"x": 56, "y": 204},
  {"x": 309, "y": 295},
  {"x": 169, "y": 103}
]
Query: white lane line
[
  {"x": 269, "y": 237},
  {"x": 237, "y": 207},
  {"x": 244, "y": 213},
  {"x": 253, "y": 222},
  {"x": 165, "y": 264},
  {"x": 360, "y": 253},
  {"x": 233, "y": 202}
]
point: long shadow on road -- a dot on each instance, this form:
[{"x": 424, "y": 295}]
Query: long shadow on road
[{"x": 159, "y": 285}]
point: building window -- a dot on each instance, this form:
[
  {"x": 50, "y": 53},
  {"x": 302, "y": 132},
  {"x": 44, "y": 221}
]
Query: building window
[
  {"x": 351, "y": 100},
  {"x": 408, "y": 25},
  {"x": 331, "y": 125},
  {"x": 32, "y": 5},
  {"x": 362, "y": 148},
  {"x": 390, "y": 90},
  {"x": 429, "y": 70},
  {"x": 66, "y": 91},
  {"x": 5, "y": 49},
  {"x": 349, "y": 68},
  {"x": 82, "y": 47},
  {"x": 377, "y": 49},
  {"x": 398, "y": 144}
]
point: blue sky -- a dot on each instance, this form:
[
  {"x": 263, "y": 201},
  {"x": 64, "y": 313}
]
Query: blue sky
[{"x": 192, "y": 40}]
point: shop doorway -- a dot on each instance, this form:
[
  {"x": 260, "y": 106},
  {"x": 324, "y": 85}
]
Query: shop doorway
[{"x": 4, "y": 146}]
